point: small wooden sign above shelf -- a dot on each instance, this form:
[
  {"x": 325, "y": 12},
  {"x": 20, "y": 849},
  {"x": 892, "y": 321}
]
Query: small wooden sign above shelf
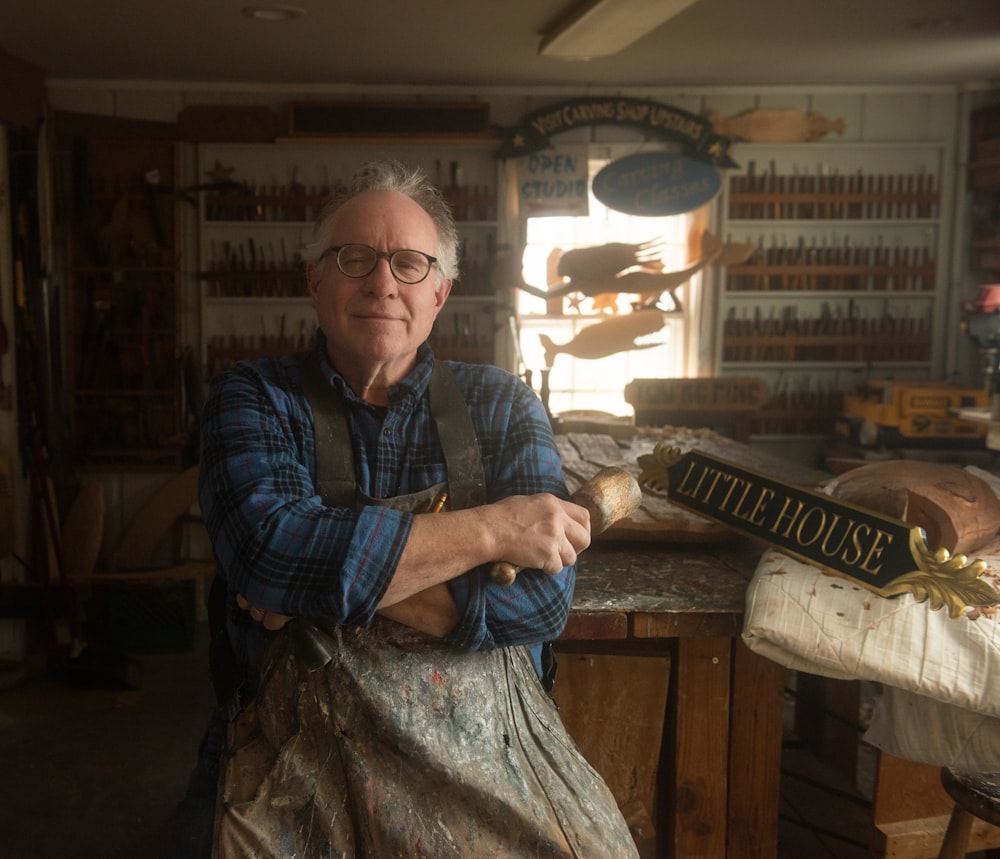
[{"x": 429, "y": 119}]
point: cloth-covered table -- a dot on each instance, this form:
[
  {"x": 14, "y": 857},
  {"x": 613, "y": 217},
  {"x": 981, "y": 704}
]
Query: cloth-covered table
[{"x": 939, "y": 676}]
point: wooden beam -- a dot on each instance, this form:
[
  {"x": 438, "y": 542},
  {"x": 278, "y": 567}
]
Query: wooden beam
[
  {"x": 614, "y": 706},
  {"x": 696, "y": 782},
  {"x": 101, "y": 127},
  {"x": 755, "y": 755},
  {"x": 22, "y": 96}
]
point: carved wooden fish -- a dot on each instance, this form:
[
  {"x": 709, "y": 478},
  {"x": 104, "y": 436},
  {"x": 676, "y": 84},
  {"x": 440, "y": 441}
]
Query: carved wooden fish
[
  {"x": 603, "y": 261},
  {"x": 617, "y": 334},
  {"x": 507, "y": 272},
  {"x": 775, "y": 125}
]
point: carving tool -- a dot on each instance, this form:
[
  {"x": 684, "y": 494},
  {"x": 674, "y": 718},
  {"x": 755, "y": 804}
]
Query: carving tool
[{"x": 609, "y": 496}]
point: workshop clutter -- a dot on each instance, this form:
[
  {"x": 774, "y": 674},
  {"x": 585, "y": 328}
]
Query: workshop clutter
[{"x": 885, "y": 413}]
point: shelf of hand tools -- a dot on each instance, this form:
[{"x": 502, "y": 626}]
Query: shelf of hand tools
[
  {"x": 127, "y": 404},
  {"x": 844, "y": 283},
  {"x": 984, "y": 184},
  {"x": 258, "y": 211}
]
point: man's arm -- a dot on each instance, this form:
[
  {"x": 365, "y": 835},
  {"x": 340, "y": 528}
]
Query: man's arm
[{"x": 537, "y": 531}]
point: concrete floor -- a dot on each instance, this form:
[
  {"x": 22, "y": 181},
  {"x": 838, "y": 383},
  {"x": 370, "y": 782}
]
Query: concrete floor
[{"x": 97, "y": 773}]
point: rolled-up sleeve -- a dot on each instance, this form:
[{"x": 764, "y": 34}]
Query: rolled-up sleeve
[
  {"x": 275, "y": 542},
  {"x": 520, "y": 458}
]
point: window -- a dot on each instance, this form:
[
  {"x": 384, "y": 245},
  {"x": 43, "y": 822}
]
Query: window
[{"x": 598, "y": 384}]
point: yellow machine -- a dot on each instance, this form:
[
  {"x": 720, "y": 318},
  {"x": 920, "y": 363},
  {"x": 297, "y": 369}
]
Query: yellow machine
[{"x": 890, "y": 414}]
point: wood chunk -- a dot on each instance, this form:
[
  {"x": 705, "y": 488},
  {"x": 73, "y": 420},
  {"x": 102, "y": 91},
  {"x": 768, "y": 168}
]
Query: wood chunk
[{"x": 957, "y": 510}]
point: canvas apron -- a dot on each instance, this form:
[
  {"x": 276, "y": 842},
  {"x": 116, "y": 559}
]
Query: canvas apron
[{"x": 402, "y": 747}]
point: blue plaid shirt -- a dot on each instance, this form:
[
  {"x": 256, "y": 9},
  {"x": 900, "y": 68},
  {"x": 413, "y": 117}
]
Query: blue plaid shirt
[{"x": 276, "y": 543}]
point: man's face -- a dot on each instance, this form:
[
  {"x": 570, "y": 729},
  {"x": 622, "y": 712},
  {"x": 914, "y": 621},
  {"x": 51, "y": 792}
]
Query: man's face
[{"x": 374, "y": 324}]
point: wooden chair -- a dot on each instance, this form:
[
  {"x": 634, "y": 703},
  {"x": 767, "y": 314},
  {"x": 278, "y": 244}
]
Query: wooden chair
[
  {"x": 160, "y": 519},
  {"x": 976, "y": 795},
  {"x": 152, "y": 594}
]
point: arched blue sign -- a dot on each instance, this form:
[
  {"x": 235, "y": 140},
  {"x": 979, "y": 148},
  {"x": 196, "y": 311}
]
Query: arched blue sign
[{"x": 656, "y": 184}]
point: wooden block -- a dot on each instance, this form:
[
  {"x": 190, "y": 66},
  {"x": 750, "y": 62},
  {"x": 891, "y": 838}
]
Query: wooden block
[
  {"x": 906, "y": 790},
  {"x": 912, "y": 811},
  {"x": 755, "y": 755},
  {"x": 826, "y": 719},
  {"x": 697, "y": 782},
  {"x": 921, "y": 838},
  {"x": 613, "y": 707}
]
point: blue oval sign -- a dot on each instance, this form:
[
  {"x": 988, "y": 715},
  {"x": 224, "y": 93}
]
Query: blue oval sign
[{"x": 656, "y": 184}]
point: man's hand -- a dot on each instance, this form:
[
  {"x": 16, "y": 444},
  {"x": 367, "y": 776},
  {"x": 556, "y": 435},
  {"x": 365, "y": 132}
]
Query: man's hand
[
  {"x": 533, "y": 531},
  {"x": 539, "y": 531},
  {"x": 271, "y": 619}
]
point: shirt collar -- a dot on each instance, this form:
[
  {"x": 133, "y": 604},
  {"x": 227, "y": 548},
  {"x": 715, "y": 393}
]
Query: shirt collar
[{"x": 409, "y": 389}]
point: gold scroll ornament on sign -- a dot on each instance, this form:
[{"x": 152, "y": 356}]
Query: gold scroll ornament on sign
[{"x": 880, "y": 553}]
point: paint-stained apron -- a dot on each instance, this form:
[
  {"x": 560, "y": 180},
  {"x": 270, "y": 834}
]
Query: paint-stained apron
[
  {"x": 401, "y": 746},
  {"x": 404, "y": 748}
]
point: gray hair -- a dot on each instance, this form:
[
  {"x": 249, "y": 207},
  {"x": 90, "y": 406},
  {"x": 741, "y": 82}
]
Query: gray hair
[{"x": 412, "y": 182}]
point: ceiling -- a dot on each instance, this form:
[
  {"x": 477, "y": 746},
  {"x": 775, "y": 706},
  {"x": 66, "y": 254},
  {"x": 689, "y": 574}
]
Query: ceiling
[{"x": 495, "y": 43}]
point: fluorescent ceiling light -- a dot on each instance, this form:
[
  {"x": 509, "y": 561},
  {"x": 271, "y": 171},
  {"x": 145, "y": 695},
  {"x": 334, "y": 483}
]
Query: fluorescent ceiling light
[
  {"x": 597, "y": 29},
  {"x": 273, "y": 13}
]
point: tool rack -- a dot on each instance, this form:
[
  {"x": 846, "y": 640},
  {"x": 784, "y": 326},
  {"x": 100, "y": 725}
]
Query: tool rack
[
  {"x": 123, "y": 253},
  {"x": 845, "y": 281}
]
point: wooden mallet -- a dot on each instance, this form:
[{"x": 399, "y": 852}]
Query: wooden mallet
[{"x": 610, "y": 495}]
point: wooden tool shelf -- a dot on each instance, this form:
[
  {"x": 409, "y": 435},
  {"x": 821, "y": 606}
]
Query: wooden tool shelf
[
  {"x": 223, "y": 354},
  {"x": 846, "y": 276},
  {"x": 986, "y": 254},
  {"x": 984, "y": 183},
  {"x": 794, "y": 276},
  {"x": 840, "y": 348},
  {"x": 781, "y": 197},
  {"x": 468, "y": 205},
  {"x": 805, "y": 416},
  {"x": 125, "y": 360},
  {"x": 231, "y": 281}
]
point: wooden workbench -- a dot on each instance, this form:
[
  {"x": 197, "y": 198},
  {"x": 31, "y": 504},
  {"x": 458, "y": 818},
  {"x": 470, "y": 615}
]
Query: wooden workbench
[
  {"x": 719, "y": 772},
  {"x": 668, "y": 585}
]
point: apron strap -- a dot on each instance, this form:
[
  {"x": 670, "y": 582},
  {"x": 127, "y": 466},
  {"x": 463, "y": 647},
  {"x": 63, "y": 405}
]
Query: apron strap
[
  {"x": 335, "y": 478},
  {"x": 463, "y": 459}
]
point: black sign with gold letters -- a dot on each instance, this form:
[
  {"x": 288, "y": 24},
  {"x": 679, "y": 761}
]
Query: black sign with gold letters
[{"x": 882, "y": 554}]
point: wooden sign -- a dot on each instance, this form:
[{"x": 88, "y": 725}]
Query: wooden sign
[
  {"x": 656, "y": 184},
  {"x": 554, "y": 182},
  {"x": 881, "y": 554},
  {"x": 715, "y": 394},
  {"x": 659, "y": 121}
]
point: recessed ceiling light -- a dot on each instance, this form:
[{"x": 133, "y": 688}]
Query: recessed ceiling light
[{"x": 273, "y": 13}]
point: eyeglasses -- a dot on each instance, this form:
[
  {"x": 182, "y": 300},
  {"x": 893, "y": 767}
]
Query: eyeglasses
[{"x": 407, "y": 266}]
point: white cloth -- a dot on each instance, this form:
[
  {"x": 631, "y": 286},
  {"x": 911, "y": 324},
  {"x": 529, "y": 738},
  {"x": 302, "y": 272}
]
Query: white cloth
[{"x": 941, "y": 703}]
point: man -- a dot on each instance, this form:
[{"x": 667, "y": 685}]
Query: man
[{"x": 356, "y": 497}]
